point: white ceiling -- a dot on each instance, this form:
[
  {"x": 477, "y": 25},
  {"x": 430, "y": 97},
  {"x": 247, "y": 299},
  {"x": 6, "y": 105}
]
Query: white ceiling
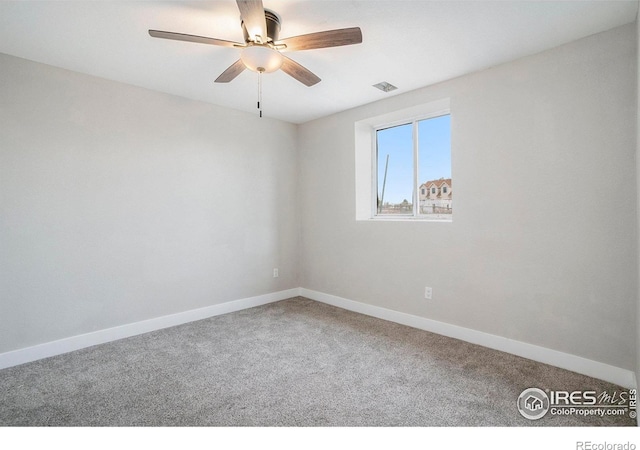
[{"x": 411, "y": 44}]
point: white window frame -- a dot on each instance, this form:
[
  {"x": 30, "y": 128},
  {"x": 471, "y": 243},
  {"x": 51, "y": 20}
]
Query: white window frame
[{"x": 365, "y": 158}]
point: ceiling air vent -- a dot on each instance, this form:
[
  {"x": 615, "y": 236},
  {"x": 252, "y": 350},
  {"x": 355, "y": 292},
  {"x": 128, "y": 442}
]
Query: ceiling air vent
[{"x": 385, "y": 87}]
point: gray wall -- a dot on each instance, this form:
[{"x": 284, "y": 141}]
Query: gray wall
[
  {"x": 638, "y": 196},
  {"x": 119, "y": 204},
  {"x": 542, "y": 248}
]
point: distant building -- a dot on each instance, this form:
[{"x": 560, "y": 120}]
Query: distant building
[{"x": 435, "y": 197}]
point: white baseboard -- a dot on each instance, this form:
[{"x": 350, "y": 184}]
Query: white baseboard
[
  {"x": 25, "y": 355},
  {"x": 612, "y": 374},
  {"x": 595, "y": 369}
]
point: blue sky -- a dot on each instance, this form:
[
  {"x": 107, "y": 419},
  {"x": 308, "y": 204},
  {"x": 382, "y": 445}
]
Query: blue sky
[{"x": 434, "y": 154}]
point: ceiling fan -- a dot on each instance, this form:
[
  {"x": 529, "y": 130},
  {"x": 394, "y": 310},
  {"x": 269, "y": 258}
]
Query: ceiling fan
[{"x": 261, "y": 50}]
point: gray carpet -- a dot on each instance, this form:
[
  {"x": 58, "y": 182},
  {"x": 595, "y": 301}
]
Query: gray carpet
[{"x": 291, "y": 363}]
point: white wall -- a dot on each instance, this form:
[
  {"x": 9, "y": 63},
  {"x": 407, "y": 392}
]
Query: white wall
[
  {"x": 119, "y": 204},
  {"x": 537, "y": 251}
]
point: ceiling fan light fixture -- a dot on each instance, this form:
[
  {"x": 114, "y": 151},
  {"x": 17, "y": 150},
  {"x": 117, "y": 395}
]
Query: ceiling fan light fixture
[
  {"x": 261, "y": 58},
  {"x": 262, "y": 44}
]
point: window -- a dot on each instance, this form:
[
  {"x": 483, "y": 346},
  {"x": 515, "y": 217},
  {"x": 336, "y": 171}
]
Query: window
[
  {"x": 415, "y": 161},
  {"x": 409, "y": 155}
]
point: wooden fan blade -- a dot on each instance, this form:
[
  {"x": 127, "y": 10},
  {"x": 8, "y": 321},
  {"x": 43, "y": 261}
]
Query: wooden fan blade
[
  {"x": 233, "y": 71},
  {"x": 192, "y": 38},
  {"x": 303, "y": 75},
  {"x": 252, "y": 13},
  {"x": 323, "y": 39}
]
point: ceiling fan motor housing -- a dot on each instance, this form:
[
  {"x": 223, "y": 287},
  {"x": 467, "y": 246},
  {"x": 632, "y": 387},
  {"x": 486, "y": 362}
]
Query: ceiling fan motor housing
[{"x": 273, "y": 27}]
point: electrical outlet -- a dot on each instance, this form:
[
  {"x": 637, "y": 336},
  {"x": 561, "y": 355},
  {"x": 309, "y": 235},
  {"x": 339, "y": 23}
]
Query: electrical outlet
[
  {"x": 428, "y": 293},
  {"x": 275, "y": 273}
]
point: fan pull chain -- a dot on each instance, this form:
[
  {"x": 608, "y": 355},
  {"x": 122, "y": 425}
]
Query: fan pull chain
[{"x": 260, "y": 93}]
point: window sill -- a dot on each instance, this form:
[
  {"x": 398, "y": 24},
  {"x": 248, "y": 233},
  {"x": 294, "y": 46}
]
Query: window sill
[{"x": 399, "y": 218}]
